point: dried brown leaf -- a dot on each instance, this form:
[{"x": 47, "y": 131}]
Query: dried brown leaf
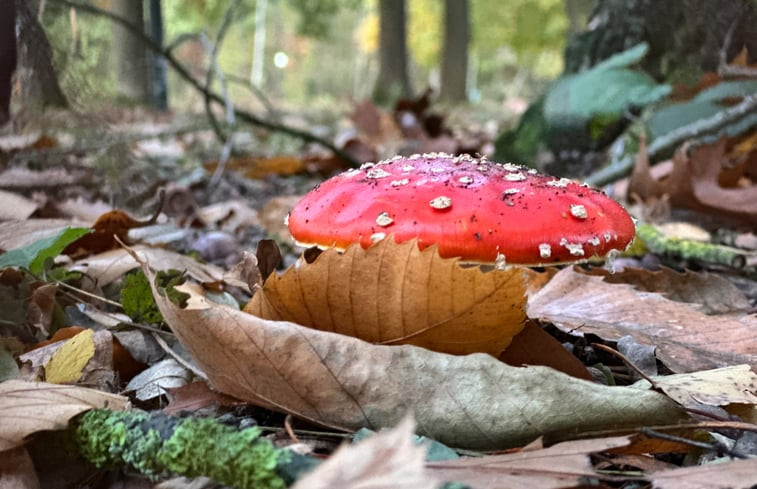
[
  {"x": 394, "y": 293},
  {"x": 713, "y": 293},
  {"x": 718, "y": 387},
  {"x": 736, "y": 474},
  {"x": 562, "y": 465},
  {"x": 694, "y": 183},
  {"x": 29, "y": 407},
  {"x": 273, "y": 216},
  {"x": 111, "y": 265},
  {"x": 470, "y": 401},
  {"x": 534, "y": 346},
  {"x": 687, "y": 340},
  {"x": 15, "y": 206},
  {"x": 387, "y": 460},
  {"x": 17, "y": 470},
  {"x": 17, "y": 234}
]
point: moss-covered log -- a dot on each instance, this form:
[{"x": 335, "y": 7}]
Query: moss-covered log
[
  {"x": 158, "y": 445},
  {"x": 689, "y": 249}
]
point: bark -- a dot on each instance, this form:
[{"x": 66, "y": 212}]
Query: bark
[
  {"x": 131, "y": 53},
  {"x": 7, "y": 57},
  {"x": 685, "y": 37},
  {"x": 455, "y": 56},
  {"x": 38, "y": 79},
  {"x": 393, "y": 81}
]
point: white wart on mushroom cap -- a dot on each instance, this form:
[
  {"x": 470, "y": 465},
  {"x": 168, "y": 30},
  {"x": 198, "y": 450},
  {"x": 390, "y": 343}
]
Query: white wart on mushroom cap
[{"x": 470, "y": 208}]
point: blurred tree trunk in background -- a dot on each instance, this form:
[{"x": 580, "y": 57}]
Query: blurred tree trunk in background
[
  {"x": 159, "y": 84},
  {"x": 685, "y": 37},
  {"x": 578, "y": 14},
  {"x": 131, "y": 55},
  {"x": 455, "y": 55},
  {"x": 38, "y": 79},
  {"x": 393, "y": 81},
  {"x": 7, "y": 57}
]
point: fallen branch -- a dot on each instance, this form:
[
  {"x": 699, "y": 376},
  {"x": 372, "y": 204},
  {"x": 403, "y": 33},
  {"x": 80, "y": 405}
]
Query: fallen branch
[
  {"x": 696, "y": 129},
  {"x": 184, "y": 73},
  {"x": 158, "y": 445}
]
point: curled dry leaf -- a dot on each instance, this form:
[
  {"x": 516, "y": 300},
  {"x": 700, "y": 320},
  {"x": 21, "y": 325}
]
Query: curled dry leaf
[
  {"x": 686, "y": 339},
  {"x": 29, "y": 407},
  {"x": 396, "y": 294},
  {"x": 717, "y": 387},
  {"x": 471, "y": 401},
  {"x": 566, "y": 464},
  {"x": 711, "y": 293},
  {"x": 387, "y": 460},
  {"x": 735, "y": 474}
]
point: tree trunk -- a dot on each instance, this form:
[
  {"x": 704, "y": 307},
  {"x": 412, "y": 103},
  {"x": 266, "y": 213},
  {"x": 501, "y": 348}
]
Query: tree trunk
[
  {"x": 455, "y": 57},
  {"x": 7, "y": 57},
  {"x": 685, "y": 37},
  {"x": 131, "y": 54},
  {"x": 393, "y": 81},
  {"x": 159, "y": 83},
  {"x": 39, "y": 81}
]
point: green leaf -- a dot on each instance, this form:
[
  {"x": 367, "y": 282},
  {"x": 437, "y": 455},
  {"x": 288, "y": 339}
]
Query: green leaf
[
  {"x": 33, "y": 256},
  {"x": 624, "y": 59},
  {"x": 167, "y": 280},
  {"x": 137, "y": 299},
  {"x": 726, "y": 90}
]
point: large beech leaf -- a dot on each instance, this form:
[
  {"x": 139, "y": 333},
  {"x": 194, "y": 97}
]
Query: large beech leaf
[
  {"x": 396, "y": 294},
  {"x": 471, "y": 401},
  {"x": 31, "y": 407},
  {"x": 687, "y": 339}
]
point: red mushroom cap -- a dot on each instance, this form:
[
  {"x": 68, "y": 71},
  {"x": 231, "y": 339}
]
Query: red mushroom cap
[{"x": 471, "y": 208}]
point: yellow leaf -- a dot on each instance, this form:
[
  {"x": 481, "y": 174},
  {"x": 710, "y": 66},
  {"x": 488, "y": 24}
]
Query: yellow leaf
[
  {"x": 396, "y": 294},
  {"x": 67, "y": 363}
]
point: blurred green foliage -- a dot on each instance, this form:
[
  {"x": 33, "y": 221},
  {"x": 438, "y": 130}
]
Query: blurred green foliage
[{"x": 331, "y": 46}]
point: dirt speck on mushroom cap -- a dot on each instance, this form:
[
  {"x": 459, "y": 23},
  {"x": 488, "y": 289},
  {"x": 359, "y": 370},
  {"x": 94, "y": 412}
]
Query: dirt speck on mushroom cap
[{"x": 490, "y": 209}]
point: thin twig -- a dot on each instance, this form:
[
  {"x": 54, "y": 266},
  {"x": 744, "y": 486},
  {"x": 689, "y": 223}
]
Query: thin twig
[
  {"x": 715, "y": 446},
  {"x": 167, "y": 348},
  {"x": 628, "y": 362},
  {"x": 89, "y": 294},
  {"x": 184, "y": 73},
  {"x": 289, "y": 430},
  {"x": 214, "y": 69},
  {"x": 696, "y": 129}
]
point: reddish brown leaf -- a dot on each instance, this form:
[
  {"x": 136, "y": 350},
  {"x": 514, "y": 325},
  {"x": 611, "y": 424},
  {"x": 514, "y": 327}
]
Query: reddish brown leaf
[{"x": 534, "y": 346}]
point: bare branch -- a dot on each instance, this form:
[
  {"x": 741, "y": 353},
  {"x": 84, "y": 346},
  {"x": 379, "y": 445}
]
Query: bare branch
[{"x": 184, "y": 73}]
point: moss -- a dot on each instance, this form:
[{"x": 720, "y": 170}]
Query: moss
[{"x": 159, "y": 445}]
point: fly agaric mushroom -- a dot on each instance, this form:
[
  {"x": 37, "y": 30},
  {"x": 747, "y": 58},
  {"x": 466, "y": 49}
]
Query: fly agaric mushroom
[{"x": 472, "y": 208}]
